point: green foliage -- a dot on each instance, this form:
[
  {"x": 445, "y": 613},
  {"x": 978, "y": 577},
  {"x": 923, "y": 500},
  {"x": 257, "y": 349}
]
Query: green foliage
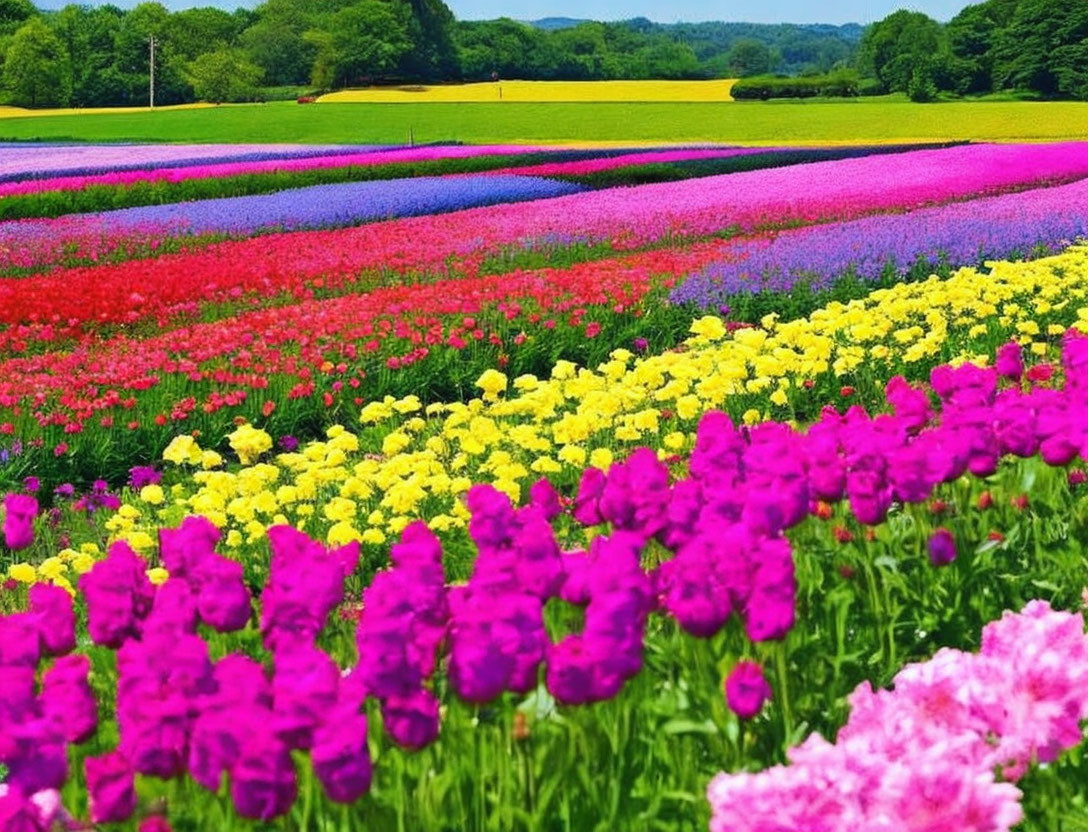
[
  {"x": 14, "y": 13},
  {"x": 748, "y": 58},
  {"x": 842, "y": 84},
  {"x": 359, "y": 43},
  {"x": 36, "y": 68},
  {"x": 638, "y": 49},
  {"x": 224, "y": 75},
  {"x": 1040, "y": 46}
]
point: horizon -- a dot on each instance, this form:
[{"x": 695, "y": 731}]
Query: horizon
[{"x": 861, "y": 12}]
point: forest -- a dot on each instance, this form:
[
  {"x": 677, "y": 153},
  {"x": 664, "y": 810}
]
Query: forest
[{"x": 94, "y": 56}]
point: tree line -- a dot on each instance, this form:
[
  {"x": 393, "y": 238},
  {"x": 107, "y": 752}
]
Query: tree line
[
  {"x": 1032, "y": 46},
  {"x": 99, "y": 56},
  {"x": 85, "y": 56}
]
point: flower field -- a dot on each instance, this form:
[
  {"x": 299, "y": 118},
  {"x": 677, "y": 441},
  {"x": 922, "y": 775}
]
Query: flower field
[{"x": 543, "y": 488}]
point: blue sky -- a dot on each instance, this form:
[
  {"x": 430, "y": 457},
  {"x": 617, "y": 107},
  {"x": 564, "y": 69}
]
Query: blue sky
[{"x": 753, "y": 11}]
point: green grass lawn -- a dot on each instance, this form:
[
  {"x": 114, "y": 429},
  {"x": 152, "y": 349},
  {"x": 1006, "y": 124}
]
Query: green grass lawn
[{"x": 886, "y": 119}]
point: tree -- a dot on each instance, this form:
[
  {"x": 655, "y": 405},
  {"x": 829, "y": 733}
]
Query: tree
[
  {"x": 224, "y": 75},
  {"x": 434, "y": 54},
  {"x": 972, "y": 36},
  {"x": 892, "y": 49},
  {"x": 1028, "y": 51},
  {"x": 359, "y": 43},
  {"x": 749, "y": 57},
  {"x": 194, "y": 32},
  {"x": 14, "y": 13},
  {"x": 36, "y": 68}
]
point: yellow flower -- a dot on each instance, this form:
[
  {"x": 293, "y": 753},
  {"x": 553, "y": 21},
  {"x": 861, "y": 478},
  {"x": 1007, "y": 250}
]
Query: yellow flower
[
  {"x": 601, "y": 458},
  {"x": 778, "y": 397},
  {"x": 709, "y": 328},
  {"x": 342, "y": 533},
  {"x": 182, "y": 450},
  {"x": 152, "y": 494},
  {"x": 141, "y": 541},
  {"x": 234, "y": 539},
  {"x": 674, "y": 441},
  {"x": 249, "y": 443},
  {"x": 23, "y": 572},
  {"x": 394, "y": 443},
  {"x": 409, "y": 404},
  {"x": 158, "y": 576},
  {"x": 210, "y": 460},
  {"x": 83, "y": 563},
  {"x": 65, "y": 584},
  {"x": 492, "y": 382},
  {"x": 373, "y": 536},
  {"x": 572, "y": 455},
  {"x": 52, "y": 568}
]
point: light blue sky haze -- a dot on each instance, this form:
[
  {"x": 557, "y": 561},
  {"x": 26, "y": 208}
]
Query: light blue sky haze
[
  {"x": 671, "y": 11},
  {"x": 664, "y": 11}
]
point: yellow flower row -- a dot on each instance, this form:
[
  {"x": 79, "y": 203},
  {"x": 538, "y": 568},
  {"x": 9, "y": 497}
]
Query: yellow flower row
[{"x": 413, "y": 461}]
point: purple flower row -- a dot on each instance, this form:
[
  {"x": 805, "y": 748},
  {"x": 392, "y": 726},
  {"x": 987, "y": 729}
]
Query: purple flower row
[
  {"x": 39, "y": 161},
  {"x": 318, "y": 206},
  {"x": 960, "y": 234}
]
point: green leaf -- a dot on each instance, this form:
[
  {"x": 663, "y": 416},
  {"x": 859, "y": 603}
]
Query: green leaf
[{"x": 686, "y": 726}]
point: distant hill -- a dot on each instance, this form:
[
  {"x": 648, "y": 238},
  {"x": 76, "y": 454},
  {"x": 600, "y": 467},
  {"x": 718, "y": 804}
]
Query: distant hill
[{"x": 551, "y": 24}]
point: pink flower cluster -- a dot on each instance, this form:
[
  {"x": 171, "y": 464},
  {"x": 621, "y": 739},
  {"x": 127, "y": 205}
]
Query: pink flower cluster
[
  {"x": 36, "y": 727},
  {"x": 923, "y": 755},
  {"x": 178, "y": 711}
]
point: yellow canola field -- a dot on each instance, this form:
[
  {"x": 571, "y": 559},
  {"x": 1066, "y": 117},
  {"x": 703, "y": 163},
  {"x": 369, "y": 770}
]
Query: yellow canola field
[
  {"x": 21, "y": 112},
  {"x": 409, "y": 461},
  {"x": 541, "y": 91}
]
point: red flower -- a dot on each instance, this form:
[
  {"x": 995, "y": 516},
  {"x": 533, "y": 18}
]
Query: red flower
[{"x": 843, "y": 534}]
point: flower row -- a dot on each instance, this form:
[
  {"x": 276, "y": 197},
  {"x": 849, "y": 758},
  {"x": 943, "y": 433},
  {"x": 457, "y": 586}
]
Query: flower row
[{"x": 460, "y": 241}]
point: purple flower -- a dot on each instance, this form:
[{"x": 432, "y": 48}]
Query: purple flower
[
  {"x": 288, "y": 443},
  {"x": 118, "y": 594},
  {"x": 143, "y": 475},
  {"x": 341, "y": 756},
  {"x": 52, "y": 611},
  {"x": 411, "y": 721},
  {"x": 263, "y": 782},
  {"x": 65, "y": 490},
  {"x": 20, "y": 511},
  {"x": 942, "y": 547},
  {"x": 746, "y": 689},
  {"x": 31, "y": 485},
  {"x": 111, "y": 788},
  {"x": 641, "y": 344},
  {"x": 67, "y": 699}
]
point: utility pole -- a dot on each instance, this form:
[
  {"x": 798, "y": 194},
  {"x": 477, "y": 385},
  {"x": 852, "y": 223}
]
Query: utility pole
[{"x": 151, "y": 86}]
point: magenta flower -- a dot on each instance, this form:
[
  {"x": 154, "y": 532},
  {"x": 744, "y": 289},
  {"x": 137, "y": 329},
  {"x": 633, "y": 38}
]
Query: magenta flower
[
  {"x": 1010, "y": 361},
  {"x": 341, "y": 757},
  {"x": 746, "y": 689},
  {"x": 111, "y": 788},
  {"x": 20, "y": 511}
]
